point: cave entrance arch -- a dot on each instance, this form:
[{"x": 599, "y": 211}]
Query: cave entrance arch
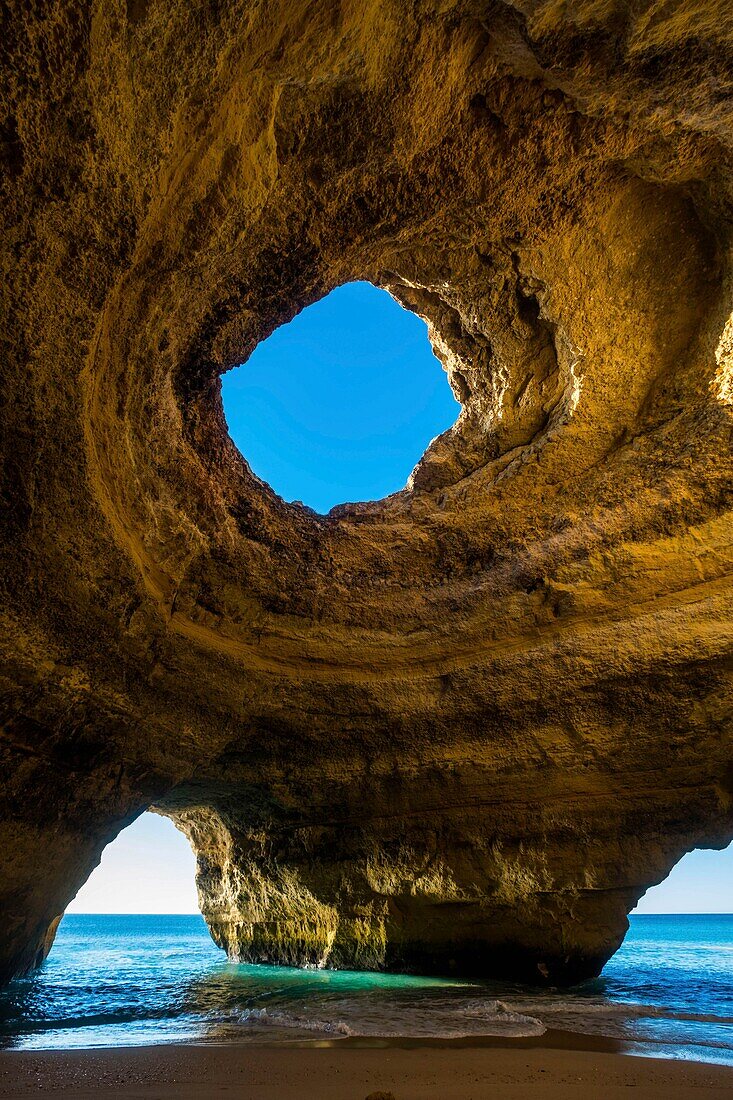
[
  {"x": 342, "y": 402},
  {"x": 701, "y": 882},
  {"x": 149, "y": 868}
]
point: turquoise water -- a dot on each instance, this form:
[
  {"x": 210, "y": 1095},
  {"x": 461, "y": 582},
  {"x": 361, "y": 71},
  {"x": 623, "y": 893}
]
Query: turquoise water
[{"x": 130, "y": 980}]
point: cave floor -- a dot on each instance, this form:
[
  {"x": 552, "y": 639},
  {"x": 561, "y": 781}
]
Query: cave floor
[{"x": 342, "y": 1071}]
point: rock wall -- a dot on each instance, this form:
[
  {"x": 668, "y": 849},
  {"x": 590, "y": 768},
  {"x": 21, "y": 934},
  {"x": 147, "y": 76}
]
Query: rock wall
[{"x": 460, "y": 729}]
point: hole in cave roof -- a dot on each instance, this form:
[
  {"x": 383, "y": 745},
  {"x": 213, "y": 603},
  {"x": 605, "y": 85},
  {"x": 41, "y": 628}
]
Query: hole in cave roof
[{"x": 341, "y": 403}]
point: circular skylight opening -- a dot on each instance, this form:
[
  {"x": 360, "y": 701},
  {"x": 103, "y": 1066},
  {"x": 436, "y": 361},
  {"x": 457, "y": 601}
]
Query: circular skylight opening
[{"x": 341, "y": 403}]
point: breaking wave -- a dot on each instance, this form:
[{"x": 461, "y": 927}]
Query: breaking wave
[{"x": 434, "y": 1021}]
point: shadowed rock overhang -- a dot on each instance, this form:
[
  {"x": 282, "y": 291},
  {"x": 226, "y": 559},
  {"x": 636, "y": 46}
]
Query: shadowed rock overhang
[{"x": 460, "y": 729}]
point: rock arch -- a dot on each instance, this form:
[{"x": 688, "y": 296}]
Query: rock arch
[{"x": 459, "y": 729}]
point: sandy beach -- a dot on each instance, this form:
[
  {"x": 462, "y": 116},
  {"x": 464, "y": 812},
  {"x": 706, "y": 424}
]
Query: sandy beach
[{"x": 348, "y": 1072}]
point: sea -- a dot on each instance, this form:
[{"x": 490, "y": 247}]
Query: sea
[{"x": 135, "y": 980}]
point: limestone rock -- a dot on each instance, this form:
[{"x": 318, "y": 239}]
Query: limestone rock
[{"x": 460, "y": 729}]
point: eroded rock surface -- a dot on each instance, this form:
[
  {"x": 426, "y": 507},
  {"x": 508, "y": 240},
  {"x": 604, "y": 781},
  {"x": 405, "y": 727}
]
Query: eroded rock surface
[{"x": 460, "y": 729}]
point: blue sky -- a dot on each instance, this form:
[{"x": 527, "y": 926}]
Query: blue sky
[
  {"x": 149, "y": 868},
  {"x": 702, "y": 882},
  {"x": 338, "y": 405},
  {"x": 341, "y": 403}
]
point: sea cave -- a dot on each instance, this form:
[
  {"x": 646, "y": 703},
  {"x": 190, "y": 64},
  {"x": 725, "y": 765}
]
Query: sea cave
[{"x": 458, "y": 730}]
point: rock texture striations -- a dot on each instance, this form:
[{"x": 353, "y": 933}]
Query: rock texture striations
[{"x": 460, "y": 729}]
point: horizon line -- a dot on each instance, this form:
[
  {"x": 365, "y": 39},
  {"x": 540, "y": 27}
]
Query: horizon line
[{"x": 198, "y": 913}]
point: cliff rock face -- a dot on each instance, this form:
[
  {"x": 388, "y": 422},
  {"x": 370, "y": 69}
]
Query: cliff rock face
[{"x": 460, "y": 729}]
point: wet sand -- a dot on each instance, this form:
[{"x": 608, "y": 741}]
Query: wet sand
[{"x": 354, "y": 1071}]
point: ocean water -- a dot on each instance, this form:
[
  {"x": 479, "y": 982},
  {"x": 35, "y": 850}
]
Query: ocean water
[{"x": 131, "y": 980}]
